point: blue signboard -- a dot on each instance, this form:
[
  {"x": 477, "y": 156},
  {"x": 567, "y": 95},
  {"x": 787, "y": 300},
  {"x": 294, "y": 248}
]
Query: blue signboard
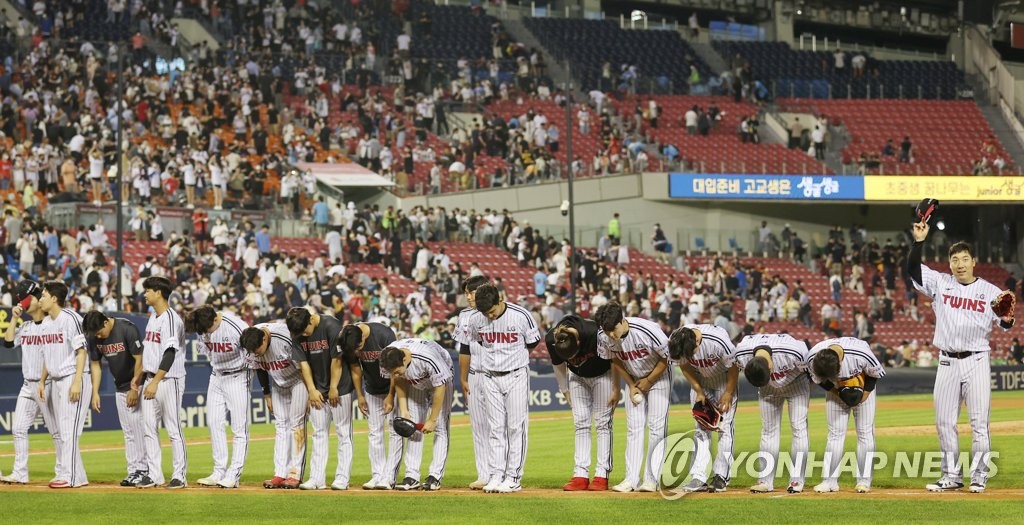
[{"x": 765, "y": 187}]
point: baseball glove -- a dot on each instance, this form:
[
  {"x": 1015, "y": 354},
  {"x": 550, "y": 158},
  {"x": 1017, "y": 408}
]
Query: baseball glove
[
  {"x": 851, "y": 395},
  {"x": 856, "y": 381},
  {"x": 405, "y": 427},
  {"x": 1004, "y": 303},
  {"x": 707, "y": 415}
]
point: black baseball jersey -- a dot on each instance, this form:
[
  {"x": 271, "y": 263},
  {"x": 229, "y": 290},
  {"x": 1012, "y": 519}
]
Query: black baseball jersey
[
  {"x": 586, "y": 362},
  {"x": 119, "y": 349},
  {"x": 318, "y": 350},
  {"x": 379, "y": 338}
]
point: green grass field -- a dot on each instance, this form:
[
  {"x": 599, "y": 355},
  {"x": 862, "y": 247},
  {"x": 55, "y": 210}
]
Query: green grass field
[{"x": 902, "y": 422}]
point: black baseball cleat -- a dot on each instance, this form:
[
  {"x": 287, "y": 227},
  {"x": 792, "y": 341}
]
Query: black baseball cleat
[
  {"x": 431, "y": 484},
  {"x": 717, "y": 484},
  {"x": 129, "y": 481},
  {"x": 145, "y": 482},
  {"x": 944, "y": 485},
  {"x": 176, "y": 484},
  {"x": 408, "y": 484}
]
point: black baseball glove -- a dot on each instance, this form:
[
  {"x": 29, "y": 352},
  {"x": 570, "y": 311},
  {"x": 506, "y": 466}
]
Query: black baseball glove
[
  {"x": 405, "y": 427},
  {"x": 851, "y": 395}
]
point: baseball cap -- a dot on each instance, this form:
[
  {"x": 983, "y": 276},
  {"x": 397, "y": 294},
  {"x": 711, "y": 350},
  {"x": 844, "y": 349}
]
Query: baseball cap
[{"x": 24, "y": 292}]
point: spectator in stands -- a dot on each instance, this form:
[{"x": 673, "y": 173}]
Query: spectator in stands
[
  {"x": 894, "y": 358},
  {"x": 858, "y": 62},
  {"x": 906, "y": 150},
  {"x": 1017, "y": 352},
  {"x": 839, "y": 64},
  {"x": 888, "y": 150},
  {"x": 925, "y": 357}
]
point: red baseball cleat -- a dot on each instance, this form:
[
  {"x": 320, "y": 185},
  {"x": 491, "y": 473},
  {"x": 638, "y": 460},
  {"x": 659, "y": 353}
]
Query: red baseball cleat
[
  {"x": 290, "y": 483},
  {"x": 577, "y": 483},
  {"x": 276, "y": 483},
  {"x": 599, "y": 484},
  {"x": 59, "y": 484}
]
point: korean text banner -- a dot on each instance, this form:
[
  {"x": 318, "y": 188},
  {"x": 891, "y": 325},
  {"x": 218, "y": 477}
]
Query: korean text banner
[
  {"x": 913, "y": 188},
  {"x": 780, "y": 187}
]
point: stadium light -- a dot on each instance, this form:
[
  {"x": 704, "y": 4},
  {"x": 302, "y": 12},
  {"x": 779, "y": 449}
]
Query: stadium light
[{"x": 940, "y": 225}]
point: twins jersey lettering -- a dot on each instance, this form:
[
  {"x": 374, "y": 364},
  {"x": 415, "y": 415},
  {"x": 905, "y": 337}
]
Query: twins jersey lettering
[
  {"x": 963, "y": 315},
  {"x": 59, "y": 338},
  {"x": 640, "y": 350},
  {"x": 119, "y": 349},
  {"x": 476, "y": 352},
  {"x": 789, "y": 357},
  {"x": 374, "y": 380},
  {"x": 586, "y": 362},
  {"x": 222, "y": 346},
  {"x": 431, "y": 365},
  {"x": 319, "y": 349},
  {"x": 277, "y": 361},
  {"x": 163, "y": 332},
  {"x": 857, "y": 359},
  {"x": 31, "y": 350},
  {"x": 504, "y": 340},
  {"x": 714, "y": 356}
]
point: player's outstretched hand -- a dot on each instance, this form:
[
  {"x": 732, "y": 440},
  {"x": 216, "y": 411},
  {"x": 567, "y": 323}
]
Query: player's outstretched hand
[
  {"x": 725, "y": 402},
  {"x": 42, "y": 391},
  {"x": 613, "y": 401},
  {"x": 364, "y": 407},
  {"x": 96, "y": 403},
  {"x": 465, "y": 393},
  {"x": 316, "y": 399},
  {"x": 132, "y": 399},
  {"x": 332, "y": 396},
  {"x": 920, "y": 231},
  {"x": 429, "y": 426},
  {"x": 76, "y": 391},
  {"x": 16, "y": 312},
  {"x": 270, "y": 403},
  {"x": 389, "y": 405},
  {"x": 150, "y": 390}
]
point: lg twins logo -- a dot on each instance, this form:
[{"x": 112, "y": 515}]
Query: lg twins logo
[
  {"x": 219, "y": 347},
  {"x": 500, "y": 337},
  {"x": 153, "y": 337},
  {"x": 633, "y": 355},
  {"x": 963, "y": 303}
]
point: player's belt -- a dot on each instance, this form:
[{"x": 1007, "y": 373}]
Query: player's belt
[
  {"x": 959, "y": 355},
  {"x": 491, "y": 373},
  {"x": 473, "y": 371},
  {"x": 231, "y": 373}
]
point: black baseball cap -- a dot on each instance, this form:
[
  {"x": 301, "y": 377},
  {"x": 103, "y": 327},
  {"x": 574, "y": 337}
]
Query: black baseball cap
[{"x": 25, "y": 291}]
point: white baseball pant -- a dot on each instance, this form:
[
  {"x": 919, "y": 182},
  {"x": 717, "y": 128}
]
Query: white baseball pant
[
  {"x": 70, "y": 419},
  {"x": 838, "y": 415},
  {"x": 479, "y": 423},
  {"x": 964, "y": 380},
  {"x": 798, "y": 393},
  {"x": 133, "y": 426},
  {"x": 289, "y": 408},
  {"x": 165, "y": 408},
  {"x": 229, "y": 394},
  {"x": 420, "y": 403},
  {"x": 652, "y": 412},
  {"x": 321, "y": 419},
  {"x": 25, "y": 411},
  {"x": 508, "y": 403},
  {"x": 383, "y": 464},
  {"x": 702, "y": 438},
  {"x": 590, "y": 397}
]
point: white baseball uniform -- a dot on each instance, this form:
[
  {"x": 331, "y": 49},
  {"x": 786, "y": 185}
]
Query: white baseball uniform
[
  {"x": 164, "y": 332},
  {"x": 430, "y": 368},
  {"x": 857, "y": 359},
  {"x": 229, "y": 392},
  {"x": 640, "y": 351},
  {"x": 712, "y": 361},
  {"x": 120, "y": 348},
  {"x": 788, "y": 381},
  {"x": 963, "y": 325},
  {"x": 505, "y": 365},
  {"x": 29, "y": 405},
  {"x": 289, "y": 397},
  {"x": 60, "y": 339},
  {"x": 476, "y": 404}
]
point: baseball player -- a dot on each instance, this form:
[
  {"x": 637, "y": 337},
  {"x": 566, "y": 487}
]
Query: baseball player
[
  {"x": 30, "y": 403},
  {"x": 64, "y": 357},
  {"x": 776, "y": 364},
  {"x": 329, "y": 382},
  {"x": 705, "y": 355},
  {"x": 638, "y": 350},
  {"x": 963, "y": 325},
  {"x": 831, "y": 363},
  {"x": 117, "y": 340},
  {"x": 588, "y": 384},
  {"x": 270, "y": 348},
  {"x": 229, "y": 391},
  {"x": 506, "y": 332},
  {"x": 373, "y": 391},
  {"x": 162, "y": 379},
  {"x": 473, "y": 381},
  {"x": 424, "y": 379}
]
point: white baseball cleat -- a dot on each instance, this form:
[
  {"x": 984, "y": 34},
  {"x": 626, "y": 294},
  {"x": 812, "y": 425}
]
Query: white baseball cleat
[
  {"x": 383, "y": 485},
  {"x": 371, "y": 485},
  {"x": 695, "y": 485},
  {"x": 311, "y": 485},
  {"x": 760, "y": 488},
  {"x": 11, "y": 481},
  {"x": 795, "y": 487},
  {"x": 209, "y": 481},
  {"x": 648, "y": 486},
  {"x": 478, "y": 484},
  {"x": 339, "y": 485},
  {"x": 508, "y": 486},
  {"x": 977, "y": 488},
  {"x": 625, "y": 486},
  {"x": 862, "y": 488},
  {"x": 825, "y": 487},
  {"x": 944, "y": 485},
  {"x": 492, "y": 486},
  {"x": 225, "y": 484}
]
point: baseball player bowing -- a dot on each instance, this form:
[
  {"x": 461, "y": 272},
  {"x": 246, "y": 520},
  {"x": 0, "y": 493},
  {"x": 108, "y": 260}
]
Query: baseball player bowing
[
  {"x": 424, "y": 380},
  {"x": 638, "y": 350},
  {"x": 470, "y": 372},
  {"x": 365, "y": 341},
  {"x": 270, "y": 348},
  {"x": 35, "y": 397},
  {"x": 506, "y": 332},
  {"x": 228, "y": 393},
  {"x": 963, "y": 324},
  {"x": 592, "y": 392},
  {"x": 117, "y": 340},
  {"x": 777, "y": 365},
  {"x": 705, "y": 355},
  {"x": 162, "y": 379},
  {"x": 847, "y": 369},
  {"x": 329, "y": 381}
]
